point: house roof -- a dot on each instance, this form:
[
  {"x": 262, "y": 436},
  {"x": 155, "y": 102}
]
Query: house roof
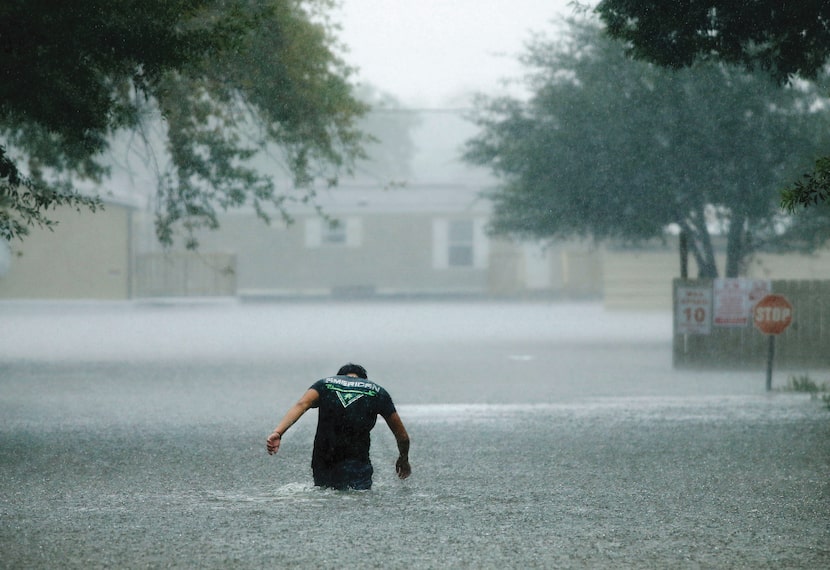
[{"x": 356, "y": 198}]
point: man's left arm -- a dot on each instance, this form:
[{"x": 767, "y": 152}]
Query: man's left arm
[{"x": 402, "y": 438}]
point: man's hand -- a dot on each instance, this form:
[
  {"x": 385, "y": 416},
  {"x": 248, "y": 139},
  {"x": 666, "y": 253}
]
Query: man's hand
[
  {"x": 309, "y": 400},
  {"x": 272, "y": 444},
  {"x": 402, "y": 464},
  {"x": 402, "y": 468}
]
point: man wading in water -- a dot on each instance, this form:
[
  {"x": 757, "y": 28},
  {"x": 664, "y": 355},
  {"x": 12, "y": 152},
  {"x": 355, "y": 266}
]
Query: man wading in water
[{"x": 349, "y": 406}]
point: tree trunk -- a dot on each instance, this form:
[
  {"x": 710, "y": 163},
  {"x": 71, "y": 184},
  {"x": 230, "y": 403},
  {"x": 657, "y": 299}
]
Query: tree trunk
[
  {"x": 707, "y": 268},
  {"x": 735, "y": 245}
]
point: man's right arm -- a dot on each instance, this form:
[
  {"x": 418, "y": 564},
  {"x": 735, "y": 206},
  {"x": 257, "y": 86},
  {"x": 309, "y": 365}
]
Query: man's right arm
[{"x": 309, "y": 400}]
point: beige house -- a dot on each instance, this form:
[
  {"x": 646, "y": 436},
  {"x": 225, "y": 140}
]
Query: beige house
[
  {"x": 421, "y": 240},
  {"x": 418, "y": 241},
  {"x": 87, "y": 256},
  {"x": 427, "y": 237}
]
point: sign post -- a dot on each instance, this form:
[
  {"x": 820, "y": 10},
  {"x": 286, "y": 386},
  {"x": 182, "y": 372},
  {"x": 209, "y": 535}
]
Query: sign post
[{"x": 772, "y": 315}]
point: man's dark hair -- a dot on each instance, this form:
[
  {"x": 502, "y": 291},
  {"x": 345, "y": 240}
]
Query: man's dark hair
[{"x": 353, "y": 369}]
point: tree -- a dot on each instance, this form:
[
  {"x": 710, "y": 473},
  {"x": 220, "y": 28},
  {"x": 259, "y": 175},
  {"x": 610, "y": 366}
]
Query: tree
[
  {"x": 611, "y": 148},
  {"x": 785, "y": 39},
  {"x": 228, "y": 81}
]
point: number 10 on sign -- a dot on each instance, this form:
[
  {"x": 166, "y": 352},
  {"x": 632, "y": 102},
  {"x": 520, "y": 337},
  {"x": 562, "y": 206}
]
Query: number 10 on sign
[{"x": 694, "y": 310}]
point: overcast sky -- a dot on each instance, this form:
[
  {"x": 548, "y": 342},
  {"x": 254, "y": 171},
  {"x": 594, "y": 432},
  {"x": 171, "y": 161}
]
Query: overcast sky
[{"x": 434, "y": 53}]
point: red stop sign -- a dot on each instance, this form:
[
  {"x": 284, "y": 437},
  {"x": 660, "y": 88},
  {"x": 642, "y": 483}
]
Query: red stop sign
[{"x": 772, "y": 314}]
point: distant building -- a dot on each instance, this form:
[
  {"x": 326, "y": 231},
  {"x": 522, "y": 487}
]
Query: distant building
[
  {"x": 424, "y": 236},
  {"x": 427, "y": 240},
  {"x": 87, "y": 256}
]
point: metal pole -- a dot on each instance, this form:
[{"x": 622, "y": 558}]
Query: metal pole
[{"x": 770, "y": 357}]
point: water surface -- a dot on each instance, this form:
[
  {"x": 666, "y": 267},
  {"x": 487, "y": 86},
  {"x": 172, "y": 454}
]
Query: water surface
[{"x": 544, "y": 436}]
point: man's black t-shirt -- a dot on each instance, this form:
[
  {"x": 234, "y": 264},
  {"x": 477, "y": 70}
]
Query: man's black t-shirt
[{"x": 349, "y": 408}]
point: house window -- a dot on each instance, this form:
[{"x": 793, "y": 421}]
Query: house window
[
  {"x": 333, "y": 233},
  {"x": 347, "y": 232},
  {"x": 460, "y": 243}
]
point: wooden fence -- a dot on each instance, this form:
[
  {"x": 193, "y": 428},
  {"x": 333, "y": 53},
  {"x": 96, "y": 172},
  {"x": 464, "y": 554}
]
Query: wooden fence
[
  {"x": 189, "y": 274},
  {"x": 804, "y": 344}
]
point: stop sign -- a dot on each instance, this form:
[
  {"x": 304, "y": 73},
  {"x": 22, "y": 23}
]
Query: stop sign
[{"x": 772, "y": 314}]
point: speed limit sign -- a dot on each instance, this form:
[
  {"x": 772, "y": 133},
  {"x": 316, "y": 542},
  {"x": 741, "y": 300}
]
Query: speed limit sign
[{"x": 694, "y": 310}]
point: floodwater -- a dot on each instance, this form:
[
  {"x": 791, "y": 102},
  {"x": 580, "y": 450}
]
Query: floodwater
[{"x": 544, "y": 435}]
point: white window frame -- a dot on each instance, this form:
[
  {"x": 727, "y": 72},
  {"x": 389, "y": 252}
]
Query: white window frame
[
  {"x": 441, "y": 244},
  {"x": 319, "y": 233}
]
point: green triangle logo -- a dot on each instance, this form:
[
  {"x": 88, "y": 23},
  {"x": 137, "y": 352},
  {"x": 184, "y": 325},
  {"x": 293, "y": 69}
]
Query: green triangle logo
[{"x": 347, "y": 398}]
